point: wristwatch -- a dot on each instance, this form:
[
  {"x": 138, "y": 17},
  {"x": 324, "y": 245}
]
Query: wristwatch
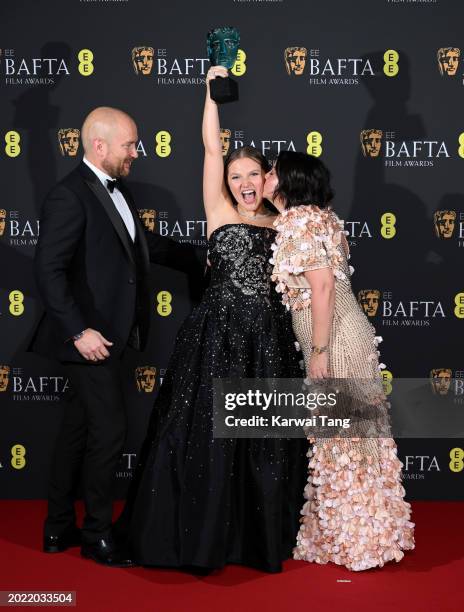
[{"x": 78, "y": 336}]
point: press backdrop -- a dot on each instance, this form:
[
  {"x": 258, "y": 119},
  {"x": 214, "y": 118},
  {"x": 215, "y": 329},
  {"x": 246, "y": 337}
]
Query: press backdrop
[{"x": 374, "y": 86}]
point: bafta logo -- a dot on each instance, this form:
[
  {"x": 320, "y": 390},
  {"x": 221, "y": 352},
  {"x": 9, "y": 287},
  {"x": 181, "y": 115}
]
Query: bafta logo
[
  {"x": 142, "y": 59},
  {"x": 145, "y": 377},
  {"x": 371, "y": 142},
  {"x": 2, "y": 221},
  {"x": 440, "y": 380},
  {"x": 4, "y": 377},
  {"x": 369, "y": 301},
  {"x": 444, "y": 221},
  {"x": 448, "y": 60},
  {"x": 148, "y": 216},
  {"x": 295, "y": 60},
  {"x": 68, "y": 139},
  {"x": 225, "y": 140}
]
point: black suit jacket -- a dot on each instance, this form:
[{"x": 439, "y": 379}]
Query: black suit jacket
[{"x": 89, "y": 272}]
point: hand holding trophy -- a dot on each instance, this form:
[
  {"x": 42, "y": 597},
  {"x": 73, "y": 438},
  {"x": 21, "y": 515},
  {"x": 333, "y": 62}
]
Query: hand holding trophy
[{"x": 222, "y": 45}]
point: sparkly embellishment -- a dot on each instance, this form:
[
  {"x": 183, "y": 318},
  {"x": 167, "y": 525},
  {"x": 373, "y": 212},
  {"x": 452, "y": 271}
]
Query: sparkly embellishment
[
  {"x": 250, "y": 271},
  {"x": 239, "y": 329},
  {"x": 233, "y": 243},
  {"x": 250, "y": 276}
]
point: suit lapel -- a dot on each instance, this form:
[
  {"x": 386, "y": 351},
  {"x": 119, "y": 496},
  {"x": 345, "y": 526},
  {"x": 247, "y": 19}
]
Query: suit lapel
[
  {"x": 104, "y": 198},
  {"x": 139, "y": 229}
]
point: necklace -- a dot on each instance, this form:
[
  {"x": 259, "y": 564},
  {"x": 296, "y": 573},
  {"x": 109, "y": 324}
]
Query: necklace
[{"x": 257, "y": 216}]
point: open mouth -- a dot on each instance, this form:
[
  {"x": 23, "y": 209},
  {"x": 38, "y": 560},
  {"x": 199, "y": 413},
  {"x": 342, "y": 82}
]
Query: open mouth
[{"x": 249, "y": 196}]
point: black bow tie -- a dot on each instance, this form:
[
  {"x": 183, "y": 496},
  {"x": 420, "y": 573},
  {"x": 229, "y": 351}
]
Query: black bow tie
[{"x": 112, "y": 184}]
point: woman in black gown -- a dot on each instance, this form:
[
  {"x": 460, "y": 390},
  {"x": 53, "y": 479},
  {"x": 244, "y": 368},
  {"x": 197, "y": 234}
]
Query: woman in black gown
[{"x": 199, "y": 501}]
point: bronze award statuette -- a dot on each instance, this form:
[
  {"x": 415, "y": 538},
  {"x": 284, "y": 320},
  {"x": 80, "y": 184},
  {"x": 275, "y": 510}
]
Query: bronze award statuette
[{"x": 222, "y": 45}]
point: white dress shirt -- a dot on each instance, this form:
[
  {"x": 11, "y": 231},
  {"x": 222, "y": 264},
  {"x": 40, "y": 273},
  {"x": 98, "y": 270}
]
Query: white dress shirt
[{"x": 117, "y": 197}]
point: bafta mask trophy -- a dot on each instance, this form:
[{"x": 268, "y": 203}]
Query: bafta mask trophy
[{"x": 222, "y": 51}]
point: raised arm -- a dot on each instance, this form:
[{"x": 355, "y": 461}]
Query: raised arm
[{"x": 215, "y": 195}]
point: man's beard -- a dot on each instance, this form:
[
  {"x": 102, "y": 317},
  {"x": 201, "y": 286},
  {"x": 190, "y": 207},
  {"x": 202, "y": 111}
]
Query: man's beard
[{"x": 115, "y": 170}]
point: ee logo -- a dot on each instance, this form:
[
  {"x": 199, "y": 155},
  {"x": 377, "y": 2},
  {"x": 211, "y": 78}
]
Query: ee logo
[
  {"x": 461, "y": 145},
  {"x": 12, "y": 147},
  {"x": 16, "y": 303},
  {"x": 163, "y": 144},
  {"x": 164, "y": 299},
  {"x": 85, "y": 57},
  {"x": 18, "y": 453},
  {"x": 314, "y": 140},
  {"x": 391, "y": 58},
  {"x": 239, "y": 68},
  {"x": 387, "y": 378},
  {"x": 456, "y": 464},
  {"x": 459, "y": 308},
  {"x": 388, "y": 222}
]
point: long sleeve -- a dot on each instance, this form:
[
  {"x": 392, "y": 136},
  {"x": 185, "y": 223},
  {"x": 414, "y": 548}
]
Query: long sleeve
[
  {"x": 61, "y": 229},
  {"x": 176, "y": 255}
]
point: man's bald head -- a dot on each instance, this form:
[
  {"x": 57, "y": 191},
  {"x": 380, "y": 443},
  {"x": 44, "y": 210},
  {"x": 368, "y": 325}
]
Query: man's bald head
[
  {"x": 109, "y": 138},
  {"x": 102, "y": 123}
]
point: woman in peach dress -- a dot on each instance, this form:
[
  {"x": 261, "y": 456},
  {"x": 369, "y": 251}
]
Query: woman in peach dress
[{"x": 355, "y": 514}]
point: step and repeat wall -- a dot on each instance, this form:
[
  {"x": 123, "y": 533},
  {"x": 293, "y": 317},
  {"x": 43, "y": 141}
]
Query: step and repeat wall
[{"x": 375, "y": 87}]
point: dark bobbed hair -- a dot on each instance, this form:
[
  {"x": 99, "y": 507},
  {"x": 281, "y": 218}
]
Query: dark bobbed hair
[
  {"x": 303, "y": 179},
  {"x": 250, "y": 153}
]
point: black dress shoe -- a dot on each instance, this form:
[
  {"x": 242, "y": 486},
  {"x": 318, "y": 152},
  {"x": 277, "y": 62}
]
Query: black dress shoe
[
  {"x": 105, "y": 552},
  {"x": 60, "y": 543}
]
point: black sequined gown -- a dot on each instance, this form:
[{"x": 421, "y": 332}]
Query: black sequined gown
[{"x": 204, "y": 502}]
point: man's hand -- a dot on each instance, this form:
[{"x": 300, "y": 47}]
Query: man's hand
[{"x": 92, "y": 345}]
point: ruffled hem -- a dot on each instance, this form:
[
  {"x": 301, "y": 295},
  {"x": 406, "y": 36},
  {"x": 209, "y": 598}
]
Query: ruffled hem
[{"x": 355, "y": 514}]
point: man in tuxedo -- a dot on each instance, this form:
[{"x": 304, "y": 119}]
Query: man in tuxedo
[{"x": 92, "y": 269}]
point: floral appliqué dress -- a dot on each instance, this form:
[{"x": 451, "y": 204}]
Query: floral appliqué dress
[{"x": 355, "y": 513}]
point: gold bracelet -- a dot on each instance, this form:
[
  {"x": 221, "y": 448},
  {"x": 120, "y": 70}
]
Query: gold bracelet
[{"x": 317, "y": 350}]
